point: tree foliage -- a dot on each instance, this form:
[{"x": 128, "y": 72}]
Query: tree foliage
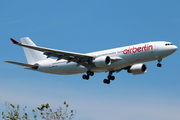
[{"x": 45, "y": 112}]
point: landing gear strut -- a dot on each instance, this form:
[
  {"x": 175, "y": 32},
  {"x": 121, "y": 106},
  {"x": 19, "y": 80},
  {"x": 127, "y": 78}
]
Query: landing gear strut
[
  {"x": 110, "y": 77},
  {"x": 159, "y": 64},
  {"x": 89, "y": 73}
]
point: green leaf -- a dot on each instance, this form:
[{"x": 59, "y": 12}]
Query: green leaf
[
  {"x": 12, "y": 105},
  {"x": 47, "y": 106},
  {"x": 25, "y": 114},
  {"x": 67, "y": 105},
  {"x": 35, "y": 116}
]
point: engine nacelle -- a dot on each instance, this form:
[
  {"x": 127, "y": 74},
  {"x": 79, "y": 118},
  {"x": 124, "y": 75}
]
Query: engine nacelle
[
  {"x": 35, "y": 67},
  {"x": 102, "y": 61},
  {"x": 137, "y": 69}
]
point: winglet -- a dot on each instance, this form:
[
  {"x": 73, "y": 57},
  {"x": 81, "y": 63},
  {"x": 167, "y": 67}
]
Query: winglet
[{"x": 14, "y": 41}]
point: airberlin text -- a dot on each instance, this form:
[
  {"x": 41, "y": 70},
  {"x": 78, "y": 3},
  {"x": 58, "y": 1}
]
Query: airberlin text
[{"x": 146, "y": 47}]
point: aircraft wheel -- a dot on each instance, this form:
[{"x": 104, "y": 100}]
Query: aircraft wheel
[
  {"x": 110, "y": 77},
  {"x": 85, "y": 77},
  {"x": 106, "y": 81},
  {"x": 159, "y": 65},
  {"x": 90, "y": 73}
]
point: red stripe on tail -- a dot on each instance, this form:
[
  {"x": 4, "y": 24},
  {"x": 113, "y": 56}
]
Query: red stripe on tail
[{"x": 14, "y": 41}]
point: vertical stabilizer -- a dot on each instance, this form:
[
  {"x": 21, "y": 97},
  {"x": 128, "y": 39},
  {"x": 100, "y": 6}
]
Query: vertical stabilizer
[{"x": 32, "y": 56}]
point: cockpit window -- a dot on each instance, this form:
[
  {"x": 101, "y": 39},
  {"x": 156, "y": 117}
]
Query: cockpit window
[{"x": 167, "y": 44}]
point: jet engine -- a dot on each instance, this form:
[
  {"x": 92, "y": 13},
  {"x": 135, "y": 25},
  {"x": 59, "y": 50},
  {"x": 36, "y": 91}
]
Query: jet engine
[
  {"x": 102, "y": 61},
  {"x": 36, "y": 66},
  {"x": 137, "y": 69}
]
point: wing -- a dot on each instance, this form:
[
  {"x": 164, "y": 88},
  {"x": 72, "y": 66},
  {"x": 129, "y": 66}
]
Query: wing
[{"x": 59, "y": 54}]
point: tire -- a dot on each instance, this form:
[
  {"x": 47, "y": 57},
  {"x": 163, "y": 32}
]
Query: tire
[
  {"x": 87, "y": 77},
  {"x": 84, "y": 76},
  {"x": 105, "y": 81},
  {"x": 108, "y": 81},
  {"x": 159, "y": 65},
  {"x": 88, "y": 72},
  {"x": 112, "y": 77},
  {"x": 91, "y": 73},
  {"x": 109, "y": 77}
]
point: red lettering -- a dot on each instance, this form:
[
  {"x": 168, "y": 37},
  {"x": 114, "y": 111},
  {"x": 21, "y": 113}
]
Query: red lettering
[
  {"x": 139, "y": 49},
  {"x": 146, "y": 47},
  {"x": 134, "y": 50},
  {"x": 151, "y": 47},
  {"x": 125, "y": 51},
  {"x": 129, "y": 50}
]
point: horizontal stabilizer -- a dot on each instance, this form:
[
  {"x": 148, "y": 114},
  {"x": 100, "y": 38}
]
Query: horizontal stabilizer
[{"x": 22, "y": 64}]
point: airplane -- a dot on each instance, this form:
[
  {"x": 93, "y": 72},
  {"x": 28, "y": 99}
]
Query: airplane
[{"x": 128, "y": 58}]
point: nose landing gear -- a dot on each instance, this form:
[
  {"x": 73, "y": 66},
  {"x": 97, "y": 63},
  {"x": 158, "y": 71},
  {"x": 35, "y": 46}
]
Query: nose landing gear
[{"x": 159, "y": 64}]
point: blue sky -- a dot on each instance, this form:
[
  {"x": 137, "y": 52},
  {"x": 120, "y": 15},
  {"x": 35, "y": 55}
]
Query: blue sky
[{"x": 88, "y": 26}]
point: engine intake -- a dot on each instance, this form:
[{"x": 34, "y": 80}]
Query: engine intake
[
  {"x": 137, "y": 69},
  {"x": 102, "y": 61}
]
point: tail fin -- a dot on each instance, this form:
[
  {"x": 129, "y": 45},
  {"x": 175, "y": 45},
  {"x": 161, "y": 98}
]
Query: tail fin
[{"x": 32, "y": 56}]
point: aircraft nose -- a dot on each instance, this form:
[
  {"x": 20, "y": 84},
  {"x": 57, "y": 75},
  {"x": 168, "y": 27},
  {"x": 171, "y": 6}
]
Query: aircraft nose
[{"x": 175, "y": 48}]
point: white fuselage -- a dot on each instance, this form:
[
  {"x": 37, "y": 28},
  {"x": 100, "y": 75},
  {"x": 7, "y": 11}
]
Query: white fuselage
[{"x": 126, "y": 56}]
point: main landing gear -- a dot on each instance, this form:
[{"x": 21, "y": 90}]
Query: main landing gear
[
  {"x": 110, "y": 77},
  {"x": 159, "y": 64},
  {"x": 89, "y": 73},
  {"x": 106, "y": 81}
]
